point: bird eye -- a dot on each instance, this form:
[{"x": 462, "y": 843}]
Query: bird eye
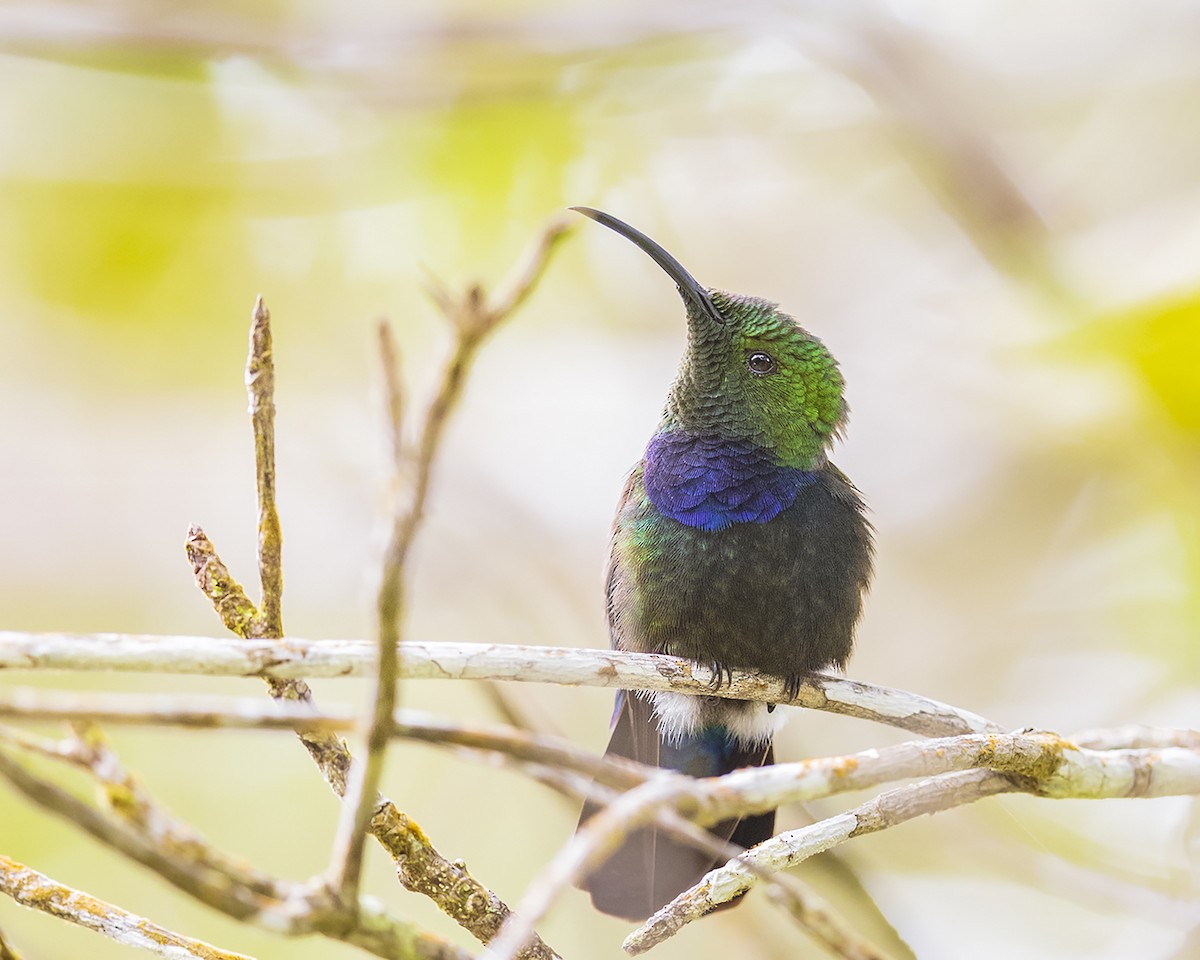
[{"x": 761, "y": 363}]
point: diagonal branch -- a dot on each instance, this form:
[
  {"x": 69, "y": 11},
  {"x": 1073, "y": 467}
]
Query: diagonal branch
[
  {"x": 38, "y": 892},
  {"x": 88, "y": 749},
  {"x": 300, "y": 910}
]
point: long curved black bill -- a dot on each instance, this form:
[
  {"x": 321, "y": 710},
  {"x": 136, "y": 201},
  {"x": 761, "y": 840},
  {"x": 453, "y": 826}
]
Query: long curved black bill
[{"x": 689, "y": 289}]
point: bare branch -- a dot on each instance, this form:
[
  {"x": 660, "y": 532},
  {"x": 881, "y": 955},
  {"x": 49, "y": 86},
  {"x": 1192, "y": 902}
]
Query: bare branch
[
  {"x": 811, "y": 912},
  {"x": 1035, "y": 763},
  {"x": 168, "y": 710},
  {"x": 38, "y": 892},
  {"x": 1042, "y": 763},
  {"x": 1136, "y": 737},
  {"x": 528, "y": 272},
  {"x": 235, "y": 609},
  {"x": 236, "y": 713},
  {"x": 473, "y": 661}
]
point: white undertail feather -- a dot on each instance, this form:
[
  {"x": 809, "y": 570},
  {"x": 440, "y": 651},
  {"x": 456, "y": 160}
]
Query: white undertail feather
[{"x": 680, "y": 715}]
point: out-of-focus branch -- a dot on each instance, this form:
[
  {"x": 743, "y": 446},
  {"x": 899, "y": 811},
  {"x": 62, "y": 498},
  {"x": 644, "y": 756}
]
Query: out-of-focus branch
[
  {"x": 38, "y": 892},
  {"x": 916, "y": 84},
  {"x": 393, "y": 390},
  {"x": 821, "y": 921},
  {"x": 463, "y": 661},
  {"x": 473, "y": 319}
]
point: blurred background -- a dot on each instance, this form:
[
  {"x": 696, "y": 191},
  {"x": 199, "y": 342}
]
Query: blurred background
[{"x": 989, "y": 210}]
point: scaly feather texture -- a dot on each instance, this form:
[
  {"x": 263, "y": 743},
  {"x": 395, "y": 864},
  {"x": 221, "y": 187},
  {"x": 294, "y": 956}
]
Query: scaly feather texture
[{"x": 736, "y": 544}]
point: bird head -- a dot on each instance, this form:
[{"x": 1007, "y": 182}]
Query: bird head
[{"x": 751, "y": 372}]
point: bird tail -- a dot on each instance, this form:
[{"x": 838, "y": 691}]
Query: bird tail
[{"x": 651, "y": 868}]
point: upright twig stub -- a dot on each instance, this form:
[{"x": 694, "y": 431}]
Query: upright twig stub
[{"x": 260, "y": 385}]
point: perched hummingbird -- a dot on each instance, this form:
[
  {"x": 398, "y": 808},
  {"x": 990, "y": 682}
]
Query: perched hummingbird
[{"x": 736, "y": 544}]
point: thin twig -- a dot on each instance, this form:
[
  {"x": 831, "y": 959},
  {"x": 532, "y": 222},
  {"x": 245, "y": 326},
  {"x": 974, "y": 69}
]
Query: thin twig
[
  {"x": 819, "y": 919},
  {"x": 38, "y": 892},
  {"x": 167, "y": 710},
  {"x": 249, "y": 714},
  {"x": 457, "y": 661}
]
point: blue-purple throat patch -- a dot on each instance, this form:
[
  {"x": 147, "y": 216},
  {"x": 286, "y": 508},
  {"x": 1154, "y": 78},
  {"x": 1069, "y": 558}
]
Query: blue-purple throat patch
[{"x": 711, "y": 482}]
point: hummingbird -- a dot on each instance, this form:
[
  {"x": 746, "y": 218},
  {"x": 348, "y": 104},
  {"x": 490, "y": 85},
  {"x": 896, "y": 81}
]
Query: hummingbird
[{"x": 736, "y": 544}]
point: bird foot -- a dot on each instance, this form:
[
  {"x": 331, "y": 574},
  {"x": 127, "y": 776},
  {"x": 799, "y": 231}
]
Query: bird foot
[{"x": 722, "y": 675}]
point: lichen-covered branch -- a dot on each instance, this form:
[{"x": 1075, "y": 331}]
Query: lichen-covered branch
[
  {"x": 38, "y": 892},
  {"x": 419, "y": 865},
  {"x": 295, "y": 658}
]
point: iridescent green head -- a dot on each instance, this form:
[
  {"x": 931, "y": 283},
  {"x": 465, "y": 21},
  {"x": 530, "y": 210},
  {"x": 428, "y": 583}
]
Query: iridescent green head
[{"x": 750, "y": 372}]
